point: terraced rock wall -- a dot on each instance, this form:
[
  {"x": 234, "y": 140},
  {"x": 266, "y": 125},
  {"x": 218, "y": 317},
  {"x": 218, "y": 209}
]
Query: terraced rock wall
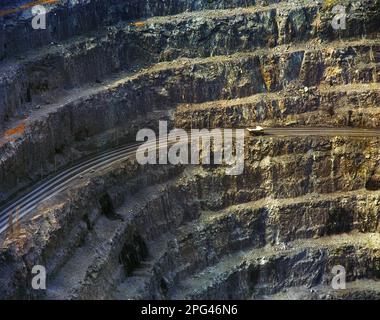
[
  {"x": 303, "y": 204},
  {"x": 198, "y": 233}
]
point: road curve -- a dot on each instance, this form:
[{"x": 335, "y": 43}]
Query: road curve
[{"x": 61, "y": 181}]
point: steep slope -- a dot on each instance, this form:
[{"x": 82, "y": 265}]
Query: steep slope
[{"x": 303, "y": 204}]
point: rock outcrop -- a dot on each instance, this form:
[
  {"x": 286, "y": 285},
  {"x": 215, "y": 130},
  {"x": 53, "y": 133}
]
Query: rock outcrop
[{"x": 102, "y": 70}]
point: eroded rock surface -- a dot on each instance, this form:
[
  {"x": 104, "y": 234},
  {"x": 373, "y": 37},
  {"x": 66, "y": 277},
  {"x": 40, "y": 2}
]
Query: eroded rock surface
[{"x": 105, "y": 69}]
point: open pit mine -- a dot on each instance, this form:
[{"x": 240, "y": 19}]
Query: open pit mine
[{"x": 80, "y": 79}]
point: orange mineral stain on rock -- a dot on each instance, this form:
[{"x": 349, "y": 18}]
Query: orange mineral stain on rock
[
  {"x": 20, "y": 129},
  {"x": 138, "y": 24}
]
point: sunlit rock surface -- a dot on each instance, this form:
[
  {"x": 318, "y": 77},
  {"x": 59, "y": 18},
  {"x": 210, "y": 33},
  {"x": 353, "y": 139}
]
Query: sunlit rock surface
[{"x": 102, "y": 70}]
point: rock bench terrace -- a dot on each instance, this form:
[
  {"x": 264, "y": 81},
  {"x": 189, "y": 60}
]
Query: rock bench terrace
[{"x": 102, "y": 70}]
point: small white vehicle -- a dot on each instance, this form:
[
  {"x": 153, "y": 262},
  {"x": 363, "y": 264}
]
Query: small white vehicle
[{"x": 258, "y": 131}]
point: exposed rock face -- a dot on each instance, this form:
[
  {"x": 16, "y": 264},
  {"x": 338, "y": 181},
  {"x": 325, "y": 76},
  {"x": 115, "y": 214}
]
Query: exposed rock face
[{"x": 104, "y": 69}]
